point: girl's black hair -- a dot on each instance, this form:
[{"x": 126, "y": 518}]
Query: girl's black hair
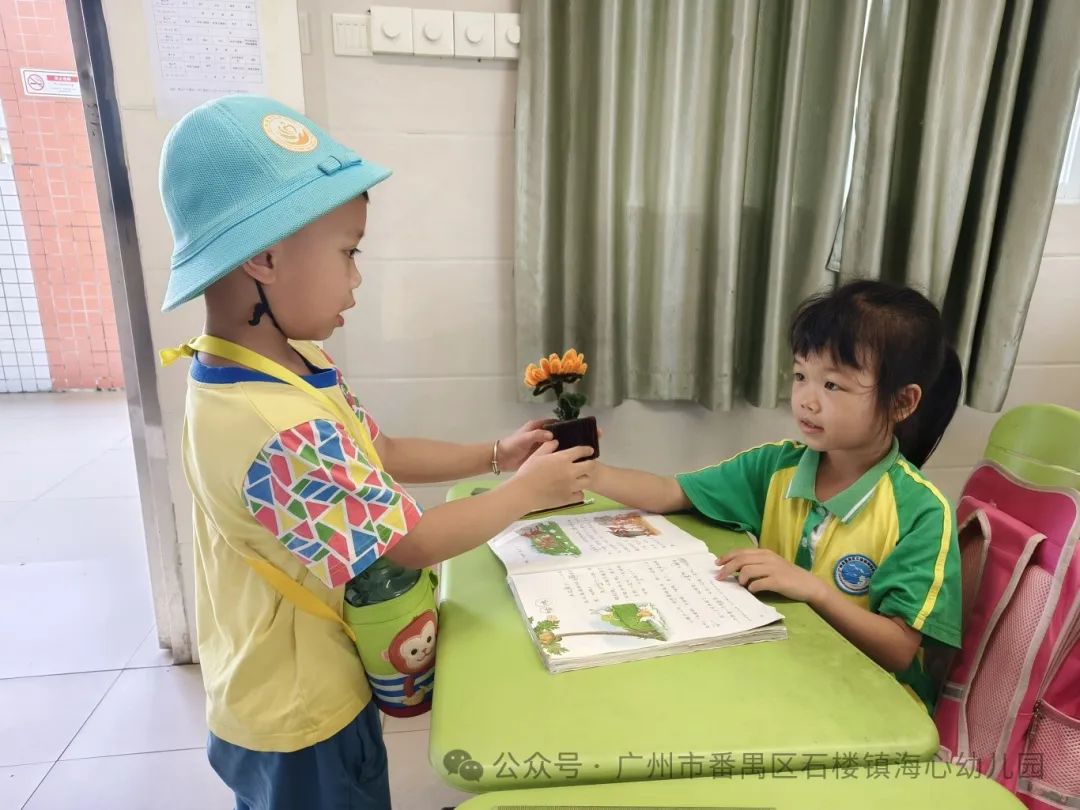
[{"x": 897, "y": 334}]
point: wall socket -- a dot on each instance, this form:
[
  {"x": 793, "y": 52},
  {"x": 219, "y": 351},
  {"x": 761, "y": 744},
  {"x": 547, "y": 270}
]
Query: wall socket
[{"x": 421, "y": 32}]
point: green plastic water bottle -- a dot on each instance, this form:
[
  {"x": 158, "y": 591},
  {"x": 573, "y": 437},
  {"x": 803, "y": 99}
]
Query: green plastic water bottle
[
  {"x": 392, "y": 612},
  {"x": 382, "y": 581}
]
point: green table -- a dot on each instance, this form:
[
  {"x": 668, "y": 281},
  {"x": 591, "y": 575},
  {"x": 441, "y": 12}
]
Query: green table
[
  {"x": 811, "y": 701},
  {"x": 899, "y": 788}
]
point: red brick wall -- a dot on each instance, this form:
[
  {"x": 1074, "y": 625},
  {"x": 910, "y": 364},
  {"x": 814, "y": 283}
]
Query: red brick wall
[{"x": 55, "y": 182}]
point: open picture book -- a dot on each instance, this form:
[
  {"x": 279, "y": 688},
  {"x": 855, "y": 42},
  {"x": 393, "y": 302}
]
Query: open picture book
[{"x": 617, "y": 586}]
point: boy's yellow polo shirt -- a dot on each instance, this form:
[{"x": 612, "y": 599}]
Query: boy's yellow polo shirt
[
  {"x": 275, "y": 476},
  {"x": 887, "y": 542}
]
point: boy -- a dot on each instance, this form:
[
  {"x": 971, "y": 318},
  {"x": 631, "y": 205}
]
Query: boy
[{"x": 266, "y": 211}]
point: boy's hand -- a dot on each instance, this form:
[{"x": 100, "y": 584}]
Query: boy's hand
[
  {"x": 762, "y": 570},
  {"x": 522, "y": 443},
  {"x": 554, "y": 479}
]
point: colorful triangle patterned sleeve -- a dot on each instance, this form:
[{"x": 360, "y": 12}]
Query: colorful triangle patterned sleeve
[
  {"x": 361, "y": 411},
  {"x": 317, "y": 494}
]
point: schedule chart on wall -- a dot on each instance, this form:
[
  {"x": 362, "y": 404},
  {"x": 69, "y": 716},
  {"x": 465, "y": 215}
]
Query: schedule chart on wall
[{"x": 202, "y": 49}]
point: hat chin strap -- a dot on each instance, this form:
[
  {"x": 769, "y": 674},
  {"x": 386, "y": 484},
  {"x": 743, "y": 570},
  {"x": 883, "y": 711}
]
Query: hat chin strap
[{"x": 263, "y": 308}]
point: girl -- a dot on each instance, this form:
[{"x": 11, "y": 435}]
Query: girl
[{"x": 845, "y": 520}]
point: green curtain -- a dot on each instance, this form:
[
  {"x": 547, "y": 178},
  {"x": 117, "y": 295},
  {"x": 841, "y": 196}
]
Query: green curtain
[
  {"x": 962, "y": 120},
  {"x": 681, "y": 172},
  {"x": 680, "y": 168}
]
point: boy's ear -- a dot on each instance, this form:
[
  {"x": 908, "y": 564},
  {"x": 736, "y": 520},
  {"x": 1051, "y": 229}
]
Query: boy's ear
[{"x": 262, "y": 267}]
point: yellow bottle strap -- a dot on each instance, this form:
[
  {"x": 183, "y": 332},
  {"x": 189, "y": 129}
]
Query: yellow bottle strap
[
  {"x": 297, "y": 594},
  {"x": 301, "y": 597},
  {"x": 253, "y": 360}
]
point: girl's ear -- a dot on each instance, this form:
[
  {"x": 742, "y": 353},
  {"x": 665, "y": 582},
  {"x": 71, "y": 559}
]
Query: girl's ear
[
  {"x": 907, "y": 400},
  {"x": 262, "y": 267}
]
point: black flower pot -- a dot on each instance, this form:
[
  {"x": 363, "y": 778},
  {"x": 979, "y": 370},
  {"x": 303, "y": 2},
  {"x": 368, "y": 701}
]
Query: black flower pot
[{"x": 577, "y": 433}]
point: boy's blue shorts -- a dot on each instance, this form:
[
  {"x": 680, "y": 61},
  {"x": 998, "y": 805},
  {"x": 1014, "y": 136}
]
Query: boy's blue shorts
[{"x": 344, "y": 772}]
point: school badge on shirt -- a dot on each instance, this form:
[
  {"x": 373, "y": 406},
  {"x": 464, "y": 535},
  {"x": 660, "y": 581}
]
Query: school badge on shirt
[{"x": 853, "y": 572}]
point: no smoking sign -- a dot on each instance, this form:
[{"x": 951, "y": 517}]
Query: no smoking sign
[{"x": 53, "y": 83}]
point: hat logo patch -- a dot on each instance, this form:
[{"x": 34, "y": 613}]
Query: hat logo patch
[{"x": 289, "y": 134}]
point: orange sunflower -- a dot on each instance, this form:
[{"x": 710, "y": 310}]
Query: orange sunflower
[
  {"x": 552, "y": 374},
  {"x": 555, "y": 370}
]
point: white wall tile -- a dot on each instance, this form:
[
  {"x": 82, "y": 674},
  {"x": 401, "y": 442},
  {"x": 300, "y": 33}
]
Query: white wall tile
[
  {"x": 155, "y": 238},
  {"x": 1052, "y": 331},
  {"x": 1063, "y": 236},
  {"x": 17, "y": 292},
  {"x": 423, "y": 319},
  {"x": 409, "y": 94},
  {"x": 450, "y": 197}
]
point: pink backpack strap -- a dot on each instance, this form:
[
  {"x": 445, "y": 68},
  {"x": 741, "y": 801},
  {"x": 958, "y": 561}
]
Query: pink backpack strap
[
  {"x": 1019, "y": 658},
  {"x": 1007, "y": 547}
]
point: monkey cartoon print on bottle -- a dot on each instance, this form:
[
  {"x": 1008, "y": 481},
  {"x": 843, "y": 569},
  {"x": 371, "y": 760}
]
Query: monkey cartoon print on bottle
[{"x": 396, "y": 627}]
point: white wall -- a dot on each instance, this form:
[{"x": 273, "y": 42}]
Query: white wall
[{"x": 430, "y": 347}]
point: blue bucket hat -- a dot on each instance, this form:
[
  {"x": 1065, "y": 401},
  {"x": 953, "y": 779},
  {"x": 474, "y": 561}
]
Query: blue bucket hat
[{"x": 241, "y": 173}]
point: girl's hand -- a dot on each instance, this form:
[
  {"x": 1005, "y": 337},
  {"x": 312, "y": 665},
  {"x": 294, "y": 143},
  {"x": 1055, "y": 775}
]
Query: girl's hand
[
  {"x": 762, "y": 570},
  {"x": 522, "y": 443}
]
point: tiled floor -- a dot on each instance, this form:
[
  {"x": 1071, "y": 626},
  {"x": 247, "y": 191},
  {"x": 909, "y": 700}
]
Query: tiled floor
[{"x": 92, "y": 714}]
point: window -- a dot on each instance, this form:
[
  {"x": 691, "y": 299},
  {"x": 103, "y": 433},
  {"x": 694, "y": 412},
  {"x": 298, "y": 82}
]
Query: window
[
  {"x": 1069, "y": 185},
  {"x": 5, "y": 146}
]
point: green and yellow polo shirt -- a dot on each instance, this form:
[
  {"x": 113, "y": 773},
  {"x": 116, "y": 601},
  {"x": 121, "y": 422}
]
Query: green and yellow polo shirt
[{"x": 887, "y": 542}]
